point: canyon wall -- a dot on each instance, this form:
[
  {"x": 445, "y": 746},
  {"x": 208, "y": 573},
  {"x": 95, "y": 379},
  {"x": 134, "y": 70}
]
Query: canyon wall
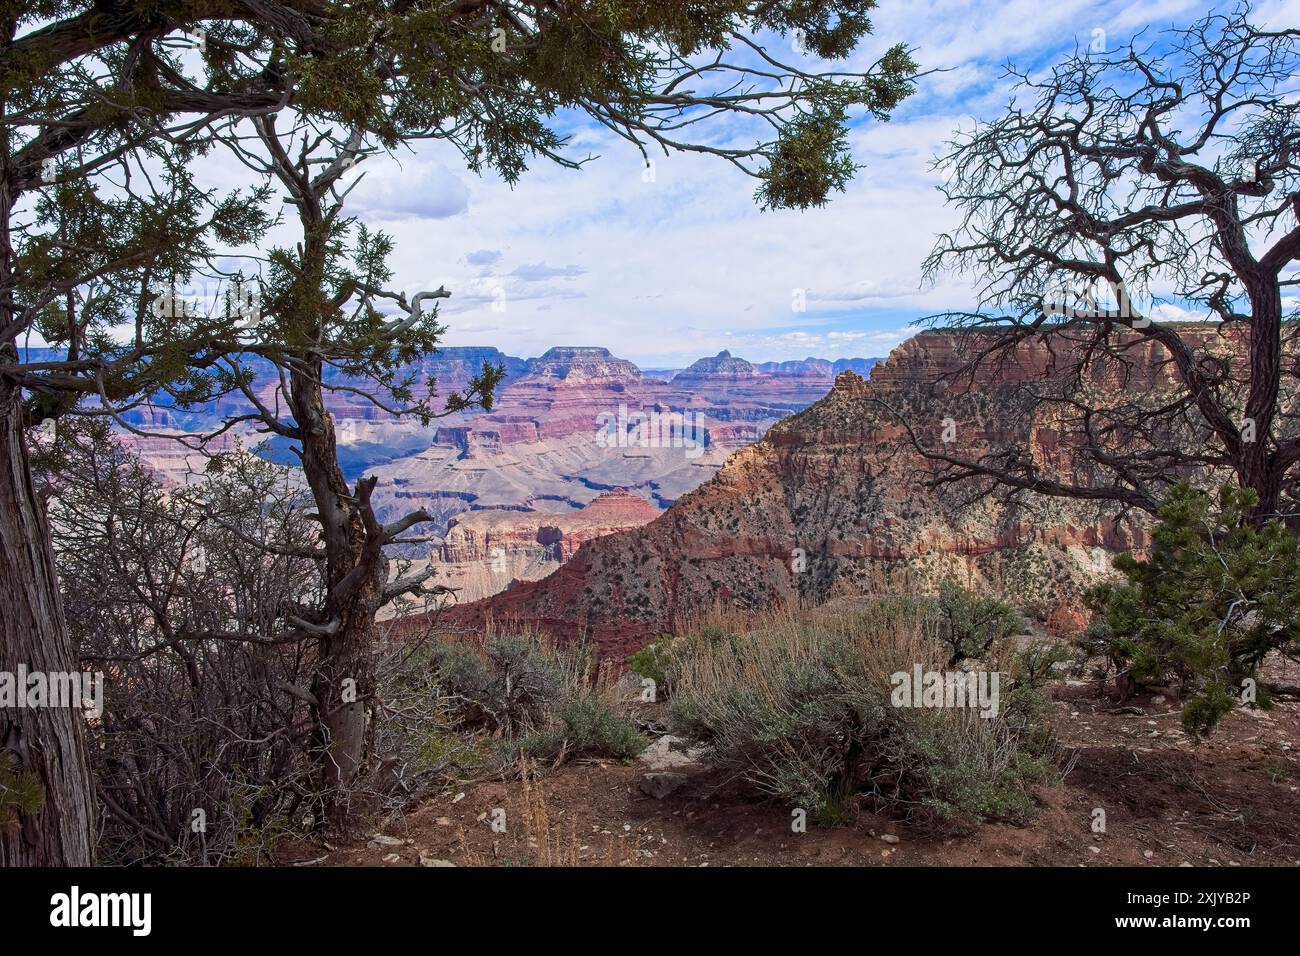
[
  {"x": 486, "y": 551},
  {"x": 835, "y": 499}
]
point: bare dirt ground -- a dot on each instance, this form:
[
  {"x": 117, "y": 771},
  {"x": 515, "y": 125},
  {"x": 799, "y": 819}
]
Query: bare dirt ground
[{"x": 1233, "y": 800}]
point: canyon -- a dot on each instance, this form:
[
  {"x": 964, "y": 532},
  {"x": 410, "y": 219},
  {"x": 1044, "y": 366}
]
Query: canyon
[
  {"x": 484, "y": 551},
  {"x": 579, "y": 443},
  {"x": 835, "y": 499}
]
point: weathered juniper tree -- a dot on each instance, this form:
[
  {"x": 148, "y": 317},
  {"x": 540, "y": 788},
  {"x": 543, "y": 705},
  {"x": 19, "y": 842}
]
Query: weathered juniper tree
[
  {"x": 104, "y": 106},
  {"x": 128, "y": 94},
  {"x": 1119, "y": 188},
  {"x": 97, "y": 126},
  {"x": 322, "y": 330},
  {"x": 1119, "y": 184},
  {"x": 325, "y": 298}
]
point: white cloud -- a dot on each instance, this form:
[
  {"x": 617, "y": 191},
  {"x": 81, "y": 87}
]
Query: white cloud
[
  {"x": 667, "y": 268},
  {"x": 409, "y": 189}
]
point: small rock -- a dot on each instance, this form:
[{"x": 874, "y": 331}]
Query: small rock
[
  {"x": 651, "y": 726},
  {"x": 1149, "y": 854},
  {"x": 660, "y": 755},
  {"x": 393, "y": 858},
  {"x": 443, "y": 821},
  {"x": 384, "y": 840},
  {"x": 1095, "y": 849},
  {"x": 430, "y": 861},
  {"x": 660, "y": 785},
  {"x": 888, "y": 838},
  {"x": 1158, "y": 699}
]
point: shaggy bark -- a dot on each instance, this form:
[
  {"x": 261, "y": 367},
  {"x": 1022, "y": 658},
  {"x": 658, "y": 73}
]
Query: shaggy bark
[{"x": 45, "y": 741}]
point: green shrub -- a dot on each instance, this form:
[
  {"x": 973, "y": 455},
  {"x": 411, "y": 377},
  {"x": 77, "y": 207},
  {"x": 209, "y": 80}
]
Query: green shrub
[
  {"x": 20, "y": 793},
  {"x": 535, "y": 697},
  {"x": 589, "y": 727},
  {"x": 1217, "y": 595},
  {"x": 652, "y": 661},
  {"x": 595, "y": 730},
  {"x": 508, "y": 687},
  {"x": 971, "y": 626},
  {"x": 444, "y": 750}
]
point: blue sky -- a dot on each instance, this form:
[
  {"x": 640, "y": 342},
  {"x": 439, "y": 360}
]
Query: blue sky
[{"x": 665, "y": 271}]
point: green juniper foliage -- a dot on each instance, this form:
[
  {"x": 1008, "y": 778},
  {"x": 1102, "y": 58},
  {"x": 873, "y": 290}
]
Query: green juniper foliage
[
  {"x": 20, "y": 792},
  {"x": 108, "y": 106},
  {"x": 1217, "y": 595}
]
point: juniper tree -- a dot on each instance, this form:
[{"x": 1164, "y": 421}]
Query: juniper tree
[
  {"x": 330, "y": 320},
  {"x": 96, "y": 203},
  {"x": 119, "y": 86},
  {"x": 1216, "y": 596},
  {"x": 1119, "y": 185}
]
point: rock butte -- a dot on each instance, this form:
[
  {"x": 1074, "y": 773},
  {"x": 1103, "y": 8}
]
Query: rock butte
[{"x": 487, "y": 551}]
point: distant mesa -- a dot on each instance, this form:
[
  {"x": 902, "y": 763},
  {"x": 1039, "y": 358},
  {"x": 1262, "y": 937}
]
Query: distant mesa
[
  {"x": 619, "y": 509},
  {"x": 582, "y": 362},
  {"x": 818, "y": 367},
  {"x": 487, "y": 551},
  {"x": 724, "y": 365}
]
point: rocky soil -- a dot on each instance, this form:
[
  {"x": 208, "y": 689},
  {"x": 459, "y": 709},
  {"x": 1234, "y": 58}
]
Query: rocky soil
[{"x": 1233, "y": 800}]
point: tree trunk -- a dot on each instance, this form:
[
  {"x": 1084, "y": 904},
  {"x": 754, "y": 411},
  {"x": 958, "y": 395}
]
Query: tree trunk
[
  {"x": 44, "y": 741},
  {"x": 356, "y": 574},
  {"x": 1256, "y": 470}
]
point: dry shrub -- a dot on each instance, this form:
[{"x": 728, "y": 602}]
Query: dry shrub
[
  {"x": 540, "y": 699},
  {"x": 799, "y": 708}
]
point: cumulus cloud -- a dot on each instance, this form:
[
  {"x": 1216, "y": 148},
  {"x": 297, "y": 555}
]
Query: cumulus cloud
[
  {"x": 539, "y": 271},
  {"x": 418, "y": 189},
  {"x": 484, "y": 257}
]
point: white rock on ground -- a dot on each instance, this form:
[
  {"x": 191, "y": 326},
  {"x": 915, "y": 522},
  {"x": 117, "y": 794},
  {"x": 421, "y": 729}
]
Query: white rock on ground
[{"x": 661, "y": 755}]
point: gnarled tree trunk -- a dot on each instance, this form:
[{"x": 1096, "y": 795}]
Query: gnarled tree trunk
[
  {"x": 44, "y": 741},
  {"x": 355, "y": 577}
]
